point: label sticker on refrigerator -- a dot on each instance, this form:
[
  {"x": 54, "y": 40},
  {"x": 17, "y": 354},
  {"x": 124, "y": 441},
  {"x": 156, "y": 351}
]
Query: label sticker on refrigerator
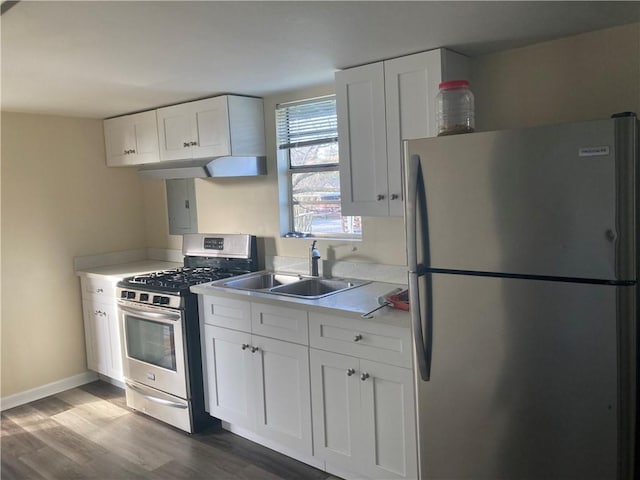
[{"x": 593, "y": 151}]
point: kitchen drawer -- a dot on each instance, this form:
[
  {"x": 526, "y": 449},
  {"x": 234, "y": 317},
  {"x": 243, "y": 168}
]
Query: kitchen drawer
[
  {"x": 227, "y": 312},
  {"x": 283, "y": 323},
  {"x": 103, "y": 288},
  {"x": 360, "y": 338}
]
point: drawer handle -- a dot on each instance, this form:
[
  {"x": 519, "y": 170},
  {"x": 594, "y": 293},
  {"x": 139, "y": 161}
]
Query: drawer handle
[
  {"x": 254, "y": 349},
  {"x": 350, "y": 371},
  {"x": 245, "y": 346},
  {"x": 364, "y": 376},
  {"x": 357, "y": 337}
]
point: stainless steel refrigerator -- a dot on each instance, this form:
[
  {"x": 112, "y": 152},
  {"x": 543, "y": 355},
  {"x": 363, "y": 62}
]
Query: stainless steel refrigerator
[{"x": 522, "y": 253}]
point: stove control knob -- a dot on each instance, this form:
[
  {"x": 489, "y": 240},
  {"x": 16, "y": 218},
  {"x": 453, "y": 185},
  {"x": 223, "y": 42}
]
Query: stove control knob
[
  {"x": 131, "y": 294},
  {"x": 160, "y": 300},
  {"x": 123, "y": 294},
  {"x": 144, "y": 297}
]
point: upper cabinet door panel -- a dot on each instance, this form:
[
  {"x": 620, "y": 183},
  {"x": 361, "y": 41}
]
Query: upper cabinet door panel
[
  {"x": 119, "y": 139},
  {"x": 175, "y": 132},
  {"x": 131, "y": 140},
  {"x": 211, "y": 121},
  {"x": 411, "y": 83},
  {"x": 363, "y": 146},
  {"x": 146, "y": 137}
]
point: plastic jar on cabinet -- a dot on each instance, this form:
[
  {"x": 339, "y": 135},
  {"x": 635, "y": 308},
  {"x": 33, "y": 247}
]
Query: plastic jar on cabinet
[{"x": 455, "y": 108}]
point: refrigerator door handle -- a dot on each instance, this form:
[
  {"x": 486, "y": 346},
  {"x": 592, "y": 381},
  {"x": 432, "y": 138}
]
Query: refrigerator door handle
[
  {"x": 423, "y": 356},
  {"x": 414, "y": 189},
  {"x": 411, "y": 213}
]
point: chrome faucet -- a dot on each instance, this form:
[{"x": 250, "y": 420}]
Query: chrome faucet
[{"x": 314, "y": 256}]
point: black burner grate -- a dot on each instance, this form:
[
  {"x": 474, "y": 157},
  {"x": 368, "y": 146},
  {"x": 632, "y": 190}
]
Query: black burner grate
[{"x": 179, "y": 278}]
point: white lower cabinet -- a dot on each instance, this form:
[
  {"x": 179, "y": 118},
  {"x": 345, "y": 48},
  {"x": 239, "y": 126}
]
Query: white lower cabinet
[
  {"x": 102, "y": 333},
  {"x": 346, "y": 404},
  {"x": 258, "y": 383},
  {"x": 363, "y": 416},
  {"x": 230, "y": 376},
  {"x": 283, "y": 400}
]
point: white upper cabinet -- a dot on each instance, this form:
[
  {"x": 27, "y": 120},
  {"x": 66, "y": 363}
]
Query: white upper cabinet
[
  {"x": 132, "y": 139},
  {"x": 360, "y": 107},
  {"x": 378, "y": 106},
  {"x": 214, "y": 127}
]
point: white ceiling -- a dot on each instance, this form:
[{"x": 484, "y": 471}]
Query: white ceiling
[{"x": 100, "y": 59}]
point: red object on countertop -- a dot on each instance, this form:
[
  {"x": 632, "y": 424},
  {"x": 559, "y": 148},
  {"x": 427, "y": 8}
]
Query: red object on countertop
[{"x": 399, "y": 300}]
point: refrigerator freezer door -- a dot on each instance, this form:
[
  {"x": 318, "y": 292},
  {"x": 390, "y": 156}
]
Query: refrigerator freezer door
[
  {"x": 545, "y": 201},
  {"x": 524, "y": 380}
]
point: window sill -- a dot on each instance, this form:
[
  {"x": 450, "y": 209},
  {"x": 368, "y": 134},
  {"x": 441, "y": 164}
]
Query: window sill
[{"x": 323, "y": 238}]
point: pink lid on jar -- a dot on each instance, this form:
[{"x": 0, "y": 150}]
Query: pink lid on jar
[{"x": 453, "y": 84}]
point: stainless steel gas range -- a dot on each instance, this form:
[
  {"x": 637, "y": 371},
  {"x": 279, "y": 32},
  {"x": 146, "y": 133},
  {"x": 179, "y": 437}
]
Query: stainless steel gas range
[{"x": 160, "y": 332}]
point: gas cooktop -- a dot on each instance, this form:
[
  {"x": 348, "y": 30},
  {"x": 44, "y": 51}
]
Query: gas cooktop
[
  {"x": 207, "y": 257},
  {"x": 176, "y": 280}
]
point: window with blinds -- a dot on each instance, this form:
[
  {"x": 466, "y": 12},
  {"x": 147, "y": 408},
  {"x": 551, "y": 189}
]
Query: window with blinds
[{"x": 307, "y": 138}]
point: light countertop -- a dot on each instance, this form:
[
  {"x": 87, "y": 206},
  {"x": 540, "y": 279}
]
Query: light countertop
[
  {"x": 123, "y": 270},
  {"x": 349, "y": 303}
]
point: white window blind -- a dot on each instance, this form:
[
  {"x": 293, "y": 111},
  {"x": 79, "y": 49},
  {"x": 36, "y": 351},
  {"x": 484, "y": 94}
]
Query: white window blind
[{"x": 301, "y": 124}]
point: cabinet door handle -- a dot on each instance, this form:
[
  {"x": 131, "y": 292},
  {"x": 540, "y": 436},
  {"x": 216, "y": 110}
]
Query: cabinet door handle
[
  {"x": 194, "y": 144},
  {"x": 350, "y": 371},
  {"x": 357, "y": 337},
  {"x": 380, "y": 197},
  {"x": 99, "y": 290},
  {"x": 364, "y": 376},
  {"x": 185, "y": 144},
  {"x": 254, "y": 349},
  {"x": 133, "y": 150},
  {"x": 395, "y": 196},
  {"x": 245, "y": 346}
]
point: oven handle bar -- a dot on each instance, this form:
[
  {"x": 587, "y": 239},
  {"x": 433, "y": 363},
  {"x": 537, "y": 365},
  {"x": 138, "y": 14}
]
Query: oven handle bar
[
  {"x": 168, "y": 316},
  {"x": 151, "y": 398}
]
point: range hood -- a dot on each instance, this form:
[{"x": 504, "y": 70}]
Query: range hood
[{"x": 230, "y": 166}]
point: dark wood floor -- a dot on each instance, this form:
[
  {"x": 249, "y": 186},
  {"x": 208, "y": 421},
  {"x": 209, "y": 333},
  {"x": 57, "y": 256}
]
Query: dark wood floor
[{"x": 88, "y": 432}]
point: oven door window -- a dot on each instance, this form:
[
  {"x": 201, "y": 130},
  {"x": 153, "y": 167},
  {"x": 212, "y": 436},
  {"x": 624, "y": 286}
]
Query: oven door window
[{"x": 151, "y": 342}]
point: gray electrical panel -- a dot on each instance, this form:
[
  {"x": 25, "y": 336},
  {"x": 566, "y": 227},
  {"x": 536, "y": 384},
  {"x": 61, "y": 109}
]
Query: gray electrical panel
[{"x": 181, "y": 205}]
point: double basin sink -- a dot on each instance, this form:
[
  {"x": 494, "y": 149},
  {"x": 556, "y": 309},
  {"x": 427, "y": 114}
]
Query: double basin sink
[{"x": 292, "y": 285}]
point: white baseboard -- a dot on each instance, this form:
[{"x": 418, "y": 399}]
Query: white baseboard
[{"x": 46, "y": 390}]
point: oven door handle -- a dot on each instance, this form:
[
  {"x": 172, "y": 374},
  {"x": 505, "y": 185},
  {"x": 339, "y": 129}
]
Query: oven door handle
[
  {"x": 168, "y": 316},
  {"x": 151, "y": 398}
]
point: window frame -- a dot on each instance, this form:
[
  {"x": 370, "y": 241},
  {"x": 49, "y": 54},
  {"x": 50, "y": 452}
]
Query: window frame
[{"x": 287, "y": 171}]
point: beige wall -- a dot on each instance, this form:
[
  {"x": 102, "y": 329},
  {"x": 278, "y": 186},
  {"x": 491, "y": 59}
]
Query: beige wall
[
  {"x": 59, "y": 200},
  {"x": 249, "y": 205},
  {"x": 576, "y": 78},
  {"x": 583, "y": 77}
]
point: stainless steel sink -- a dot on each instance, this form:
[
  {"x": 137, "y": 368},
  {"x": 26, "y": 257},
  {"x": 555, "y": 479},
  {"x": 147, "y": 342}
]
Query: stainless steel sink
[
  {"x": 262, "y": 281},
  {"x": 315, "y": 287},
  {"x": 291, "y": 284}
]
